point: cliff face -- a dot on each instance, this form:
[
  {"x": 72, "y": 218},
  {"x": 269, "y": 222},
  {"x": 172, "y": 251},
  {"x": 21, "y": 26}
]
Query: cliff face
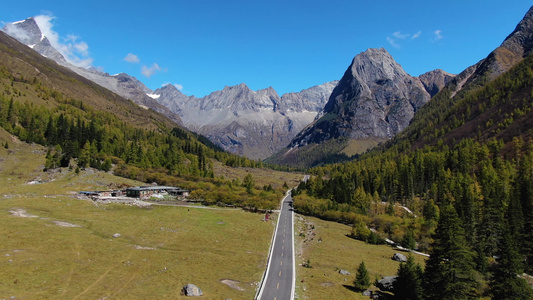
[{"x": 375, "y": 98}]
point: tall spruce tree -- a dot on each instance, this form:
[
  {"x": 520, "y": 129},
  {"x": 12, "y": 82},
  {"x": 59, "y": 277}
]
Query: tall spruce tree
[
  {"x": 505, "y": 283},
  {"x": 449, "y": 272},
  {"x": 362, "y": 279},
  {"x": 408, "y": 284}
]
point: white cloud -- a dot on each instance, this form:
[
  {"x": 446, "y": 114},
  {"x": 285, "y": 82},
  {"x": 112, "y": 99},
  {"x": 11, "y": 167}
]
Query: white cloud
[
  {"x": 438, "y": 35},
  {"x": 149, "y": 71},
  {"x": 400, "y": 35},
  {"x": 393, "y": 43},
  {"x": 19, "y": 34},
  {"x": 132, "y": 58},
  {"x": 75, "y": 52}
]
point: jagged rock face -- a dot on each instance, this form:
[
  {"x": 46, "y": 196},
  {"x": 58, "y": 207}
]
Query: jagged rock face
[
  {"x": 311, "y": 99},
  {"x": 375, "y": 98},
  {"x": 29, "y": 33},
  {"x": 435, "y": 80},
  {"x": 255, "y": 124}
]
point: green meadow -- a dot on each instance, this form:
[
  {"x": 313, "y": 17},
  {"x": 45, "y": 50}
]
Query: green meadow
[{"x": 55, "y": 246}]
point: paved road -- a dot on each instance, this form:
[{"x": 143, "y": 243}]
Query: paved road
[{"x": 280, "y": 278}]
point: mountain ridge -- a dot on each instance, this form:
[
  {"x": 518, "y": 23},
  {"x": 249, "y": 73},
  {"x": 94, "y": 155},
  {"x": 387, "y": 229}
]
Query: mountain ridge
[{"x": 374, "y": 100}]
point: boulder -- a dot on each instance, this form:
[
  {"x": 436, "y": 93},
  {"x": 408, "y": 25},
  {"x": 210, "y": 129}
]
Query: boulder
[
  {"x": 387, "y": 283},
  {"x": 367, "y": 293},
  {"x": 399, "y": 257},
  {"x": 344, "y": 272},
  {"x": 192, "y": 290}
]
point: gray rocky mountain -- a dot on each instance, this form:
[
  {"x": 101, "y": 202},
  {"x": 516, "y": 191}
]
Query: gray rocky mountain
[
  {"x": 374, "y": 100},
  {"x": 255, "y": 124},
  {"x": 29, "y": 33}
]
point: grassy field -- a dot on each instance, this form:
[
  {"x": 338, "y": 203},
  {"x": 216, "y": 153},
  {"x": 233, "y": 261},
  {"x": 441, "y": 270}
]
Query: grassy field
[
  {"x": 53, "y": 245},
  {"x": 328, "y": 250}
]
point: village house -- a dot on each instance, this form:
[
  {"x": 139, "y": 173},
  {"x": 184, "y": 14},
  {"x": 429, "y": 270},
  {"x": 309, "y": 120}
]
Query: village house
[{"x": 147, "y": 191}]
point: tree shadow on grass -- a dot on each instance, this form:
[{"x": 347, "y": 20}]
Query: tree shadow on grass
[{"x": 351, "y": 288}]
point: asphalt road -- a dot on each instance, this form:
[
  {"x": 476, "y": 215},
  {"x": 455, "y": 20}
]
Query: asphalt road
[{"x": 280, "y": 278}]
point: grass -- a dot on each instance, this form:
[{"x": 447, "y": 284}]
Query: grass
[
  {"x": 360, "y": 146},
  {"x": 159, "y": 250},
  {"x": 329, "y": 249},
  {"x": 261, "y": 177}
]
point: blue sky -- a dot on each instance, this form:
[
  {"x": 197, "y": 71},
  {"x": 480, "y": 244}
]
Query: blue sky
[{"x": 202, "y": 46}]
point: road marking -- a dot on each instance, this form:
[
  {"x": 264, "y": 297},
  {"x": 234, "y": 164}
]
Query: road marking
[
  {"x": 281, "y": 253},
  {"x": 281, "y": 264},
  {"x": 279, "y": 273},
  {"x": 278, "y": 286}
]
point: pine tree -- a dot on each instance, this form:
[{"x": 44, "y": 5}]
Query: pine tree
[
  {"x": 408, "y": 240},
  {"x": 408, "y": 284},
  {"x": 505, "y": 283},
  {"x": 362, "y": 279},
  {"x": 450, "y": 270}
]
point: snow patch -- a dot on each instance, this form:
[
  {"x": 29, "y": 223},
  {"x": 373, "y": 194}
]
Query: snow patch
[{"x": 153, "y": 96}]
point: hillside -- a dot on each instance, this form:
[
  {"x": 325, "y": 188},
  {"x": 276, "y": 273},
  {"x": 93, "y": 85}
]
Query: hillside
[
  {"x": 30, "y": 34},
  {"x": 463, "y": 170}
]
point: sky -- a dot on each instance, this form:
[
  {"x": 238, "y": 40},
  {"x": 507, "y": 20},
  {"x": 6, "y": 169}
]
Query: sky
[{"x": 200, "y": 46}]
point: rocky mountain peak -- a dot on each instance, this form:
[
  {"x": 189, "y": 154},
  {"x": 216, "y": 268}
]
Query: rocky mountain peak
[
  {"x": 26, "y": 32},
  {"x": 29, "y": 33},
  {"x": 375, "y": 99},
  {"x": 435, "y": 80},
  {"x": 376, "y": 64}
]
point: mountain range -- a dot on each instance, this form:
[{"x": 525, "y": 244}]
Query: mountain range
[
  {"x": 373, "y": 102},
  {"x": 255, "y": 124}
]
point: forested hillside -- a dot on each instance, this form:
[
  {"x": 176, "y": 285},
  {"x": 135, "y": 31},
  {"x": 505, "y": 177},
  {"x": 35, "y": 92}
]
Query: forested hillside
[{"x": 465, "y": 169}]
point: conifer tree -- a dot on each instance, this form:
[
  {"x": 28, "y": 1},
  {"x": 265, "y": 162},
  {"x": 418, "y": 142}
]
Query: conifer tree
[
  {"x": 408, "y": 240},
  {"x": 450, "y": 270},
  {"x": 408, "y": 284},
  {"x": 505, "y": 283},
  {"x": 362, "y": 279}
]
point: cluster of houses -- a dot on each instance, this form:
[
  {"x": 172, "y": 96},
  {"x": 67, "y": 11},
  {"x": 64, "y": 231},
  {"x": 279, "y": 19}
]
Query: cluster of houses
[{"x": 139, "y": 192}]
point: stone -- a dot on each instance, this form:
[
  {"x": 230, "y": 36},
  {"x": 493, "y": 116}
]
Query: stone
[
  {"x": 192, "y": 290},
  {"x": 387, "y": 283},
  {"x": 344, "y": 272},
  {"x": 116, "y": 235},
  {"x": 367, "y": 293},
  {"x": 399, "y": 257}
]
